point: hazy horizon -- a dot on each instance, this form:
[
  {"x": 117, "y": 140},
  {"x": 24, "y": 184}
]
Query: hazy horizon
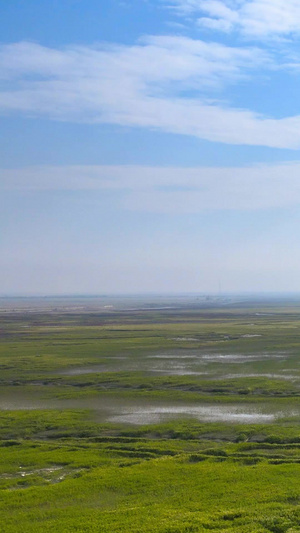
[{"x": 154, "y": 295}]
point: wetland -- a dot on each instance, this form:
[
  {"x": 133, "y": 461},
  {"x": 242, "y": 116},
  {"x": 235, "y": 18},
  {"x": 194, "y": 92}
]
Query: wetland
[{"x": 164, "y": 414}]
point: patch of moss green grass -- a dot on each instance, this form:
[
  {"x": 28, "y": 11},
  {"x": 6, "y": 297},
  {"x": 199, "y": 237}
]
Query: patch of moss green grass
[
  {"x": 139, "y": 484},
  {"x": 62, "y": 471}
]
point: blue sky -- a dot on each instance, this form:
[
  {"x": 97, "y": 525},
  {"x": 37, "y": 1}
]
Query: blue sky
[{"x": 149, "y": 146}]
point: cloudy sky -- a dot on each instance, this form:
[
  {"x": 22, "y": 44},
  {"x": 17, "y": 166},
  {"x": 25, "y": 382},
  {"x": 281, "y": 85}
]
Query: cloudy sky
[{"x": 149, "y": 146}]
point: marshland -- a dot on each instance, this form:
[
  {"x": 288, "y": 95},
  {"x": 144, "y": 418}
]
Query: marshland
[{"x": 169, "y": 416}]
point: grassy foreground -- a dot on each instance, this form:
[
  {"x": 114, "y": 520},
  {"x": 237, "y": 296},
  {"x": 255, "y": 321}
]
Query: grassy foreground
[{"x": 65, "y": 466}]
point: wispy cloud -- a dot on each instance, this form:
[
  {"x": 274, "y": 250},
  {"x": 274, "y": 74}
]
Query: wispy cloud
[
  {"x": 170, "y": 190},
  {"x": 253, "y": 18},
  {"x": 146, "y": 85}
]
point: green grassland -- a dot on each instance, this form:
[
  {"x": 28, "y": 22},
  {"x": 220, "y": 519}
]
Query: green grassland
[{"x": 219, "y": 451}]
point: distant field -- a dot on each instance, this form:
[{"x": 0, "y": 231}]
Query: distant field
[{"x": 165, "y": 416}]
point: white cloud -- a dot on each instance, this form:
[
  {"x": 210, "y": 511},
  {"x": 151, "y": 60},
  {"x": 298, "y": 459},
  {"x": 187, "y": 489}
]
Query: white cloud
[
  {"x": 144, "y": 85},
  {"x": 260, "y": 17},
  {"x": 171, "y": 190},
  {"x": 255, "y": 18}
]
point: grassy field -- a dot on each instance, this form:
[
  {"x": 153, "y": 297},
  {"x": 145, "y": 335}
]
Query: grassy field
[{"x": 150, "y": 418}]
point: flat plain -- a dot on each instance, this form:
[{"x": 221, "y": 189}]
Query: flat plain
[{"x": 162, "y": 415}]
